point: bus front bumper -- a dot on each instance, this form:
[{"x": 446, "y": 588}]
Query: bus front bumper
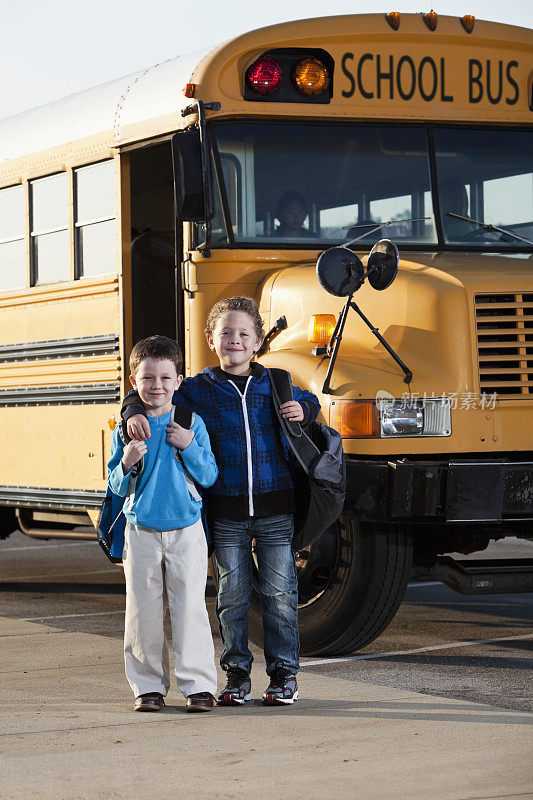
[{"x": 459, "y": 490}]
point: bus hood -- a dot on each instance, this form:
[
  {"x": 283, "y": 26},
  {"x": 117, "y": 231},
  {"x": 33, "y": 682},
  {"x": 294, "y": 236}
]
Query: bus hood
[{"x": 428, "y": 316}]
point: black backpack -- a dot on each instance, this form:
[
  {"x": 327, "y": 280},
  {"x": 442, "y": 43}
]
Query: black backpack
[{"x": 320, "y": 468}]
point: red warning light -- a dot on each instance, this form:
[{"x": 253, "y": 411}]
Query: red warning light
[{"x": 265, "y": 75}]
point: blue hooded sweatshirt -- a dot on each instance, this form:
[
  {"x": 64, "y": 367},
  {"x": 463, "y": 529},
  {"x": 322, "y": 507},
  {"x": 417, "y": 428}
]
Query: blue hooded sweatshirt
[{"x": 161, "y": 498}]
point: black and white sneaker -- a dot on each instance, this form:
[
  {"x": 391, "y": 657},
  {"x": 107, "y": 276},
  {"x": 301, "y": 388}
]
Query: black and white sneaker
[
  {"x": 238, "y": 688},
  {"x": 282, "y": 690}
]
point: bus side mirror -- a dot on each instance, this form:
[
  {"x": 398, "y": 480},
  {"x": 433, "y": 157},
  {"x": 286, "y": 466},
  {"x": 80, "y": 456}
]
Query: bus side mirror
[
  {"x": 192, "y": 190},
  {"x": 382, "y": 265}
]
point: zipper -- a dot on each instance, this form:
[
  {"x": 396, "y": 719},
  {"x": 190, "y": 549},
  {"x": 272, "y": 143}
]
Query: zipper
[{"x": 248, "y": 443}]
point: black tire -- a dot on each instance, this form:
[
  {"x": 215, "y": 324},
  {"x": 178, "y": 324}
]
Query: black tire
[
  {"x": 350, "y": 588},
  {"x": 8, "y": 521}
]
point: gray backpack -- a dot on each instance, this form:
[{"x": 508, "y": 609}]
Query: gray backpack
[{"x": 320, "y": 468}]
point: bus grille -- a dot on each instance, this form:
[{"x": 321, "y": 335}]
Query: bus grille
[{"x": 504, "y": 332}]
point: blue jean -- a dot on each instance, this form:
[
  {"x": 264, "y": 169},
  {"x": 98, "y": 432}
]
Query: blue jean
[{"x": 278, "y": 587}]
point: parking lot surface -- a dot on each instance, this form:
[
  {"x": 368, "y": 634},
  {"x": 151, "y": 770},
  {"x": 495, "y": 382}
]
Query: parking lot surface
[{"x": 438, "y": 707}]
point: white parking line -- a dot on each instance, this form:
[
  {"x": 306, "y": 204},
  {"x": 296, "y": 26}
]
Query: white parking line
[
  {"x": 424, "y": 583},
  {"x": 109, "y": 571},
  {"x": 449, "y": 646},
  {"x": 48, "y": 546},
  {"x": 65, "y": 616}
]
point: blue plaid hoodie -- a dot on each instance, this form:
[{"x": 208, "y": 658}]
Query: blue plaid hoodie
[{"x": 252, "y": 455}]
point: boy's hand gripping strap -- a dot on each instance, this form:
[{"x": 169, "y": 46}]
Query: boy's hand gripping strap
[
  {"x": 185, "y": 419},
  {"x": 126, "y": 439},
  {"x": 182, "y": 417}
]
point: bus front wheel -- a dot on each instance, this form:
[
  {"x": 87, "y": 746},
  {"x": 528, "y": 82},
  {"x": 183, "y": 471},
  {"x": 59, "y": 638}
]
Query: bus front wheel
[{"x": 351, "y": 582}]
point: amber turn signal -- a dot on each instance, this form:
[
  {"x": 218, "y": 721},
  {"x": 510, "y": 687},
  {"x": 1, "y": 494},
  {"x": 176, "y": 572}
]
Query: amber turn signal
[
  {"x": 355, "y": 419},
  {"x": 320, "y": 329},
  {"x": 310, "y": 76},
  {"x": 188, "y": 90}
]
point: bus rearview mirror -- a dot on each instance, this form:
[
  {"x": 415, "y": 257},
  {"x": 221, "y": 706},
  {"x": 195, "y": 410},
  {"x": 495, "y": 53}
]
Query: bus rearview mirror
[
  {"x": 190, "y": 178},
  {"x": 340, "y": 271},
  {"x": 382, "y": 265}
]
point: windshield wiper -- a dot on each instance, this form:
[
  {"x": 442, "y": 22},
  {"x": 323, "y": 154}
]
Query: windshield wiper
[
  {"x": 488, "y": 227},
  {"x": 376, "y": 227}
]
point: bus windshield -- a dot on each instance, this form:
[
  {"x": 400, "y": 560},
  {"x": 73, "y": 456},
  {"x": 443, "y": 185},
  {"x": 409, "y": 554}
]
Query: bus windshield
[
  {"x": 487, "y": 176},
  {"x": 310, "y": 185}
]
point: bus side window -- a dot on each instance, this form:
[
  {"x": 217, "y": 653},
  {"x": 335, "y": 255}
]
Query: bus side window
[
  {"x": 95, "y": 228},
  {"x": 231, "y": 180},
  {"x": 231, "y": 172},
  {"x": 49, "y": 229},
  {"x": 12, "y": 244}
]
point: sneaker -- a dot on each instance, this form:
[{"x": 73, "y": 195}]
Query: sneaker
[
  {"x": 153, "y": 701},
  {"x": 282, "y": 690},
  {"x": 237, "y": 689},
  {"x": 200, "y": 701}
]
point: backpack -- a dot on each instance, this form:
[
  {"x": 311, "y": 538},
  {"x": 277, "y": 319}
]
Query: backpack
[
  {"x": 111, "y": 520},
  {"x": 320, "y": 468}
]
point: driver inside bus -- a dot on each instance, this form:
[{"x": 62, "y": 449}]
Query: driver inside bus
[{"x": 291, "y": 212}]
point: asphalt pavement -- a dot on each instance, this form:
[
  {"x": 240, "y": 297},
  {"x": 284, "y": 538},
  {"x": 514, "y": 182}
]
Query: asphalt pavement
[{"x": 438, "y": 707}]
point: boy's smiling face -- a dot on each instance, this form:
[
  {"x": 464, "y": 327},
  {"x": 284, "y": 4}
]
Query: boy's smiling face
[
  {"x": 235, "y": 341},
  {"x": 156, "y": 380}
]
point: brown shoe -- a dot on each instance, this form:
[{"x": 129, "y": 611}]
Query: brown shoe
[
  {"x": 153, "y": 701},
  {"x": 201, "y": 701}
]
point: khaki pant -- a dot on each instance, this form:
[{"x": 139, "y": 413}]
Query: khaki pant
[{"x": 161, "y": 565}]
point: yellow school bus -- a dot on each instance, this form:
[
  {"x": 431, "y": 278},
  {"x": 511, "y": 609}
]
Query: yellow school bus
[{"x": 130, "y": 209}]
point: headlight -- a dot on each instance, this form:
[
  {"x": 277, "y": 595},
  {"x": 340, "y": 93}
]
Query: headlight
[
  {"x": 397, "y": 419},
  {"x": 415, "y": 417}
]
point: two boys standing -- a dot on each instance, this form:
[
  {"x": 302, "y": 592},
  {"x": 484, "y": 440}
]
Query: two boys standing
[{"x": 254, "y": 477}]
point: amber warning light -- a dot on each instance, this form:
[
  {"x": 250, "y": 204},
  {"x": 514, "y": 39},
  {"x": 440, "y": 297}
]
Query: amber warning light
[
  {"x": 310, "y": 76},
  {"x": 393, "y": 18},
  {"x": 321, "y": 327}
]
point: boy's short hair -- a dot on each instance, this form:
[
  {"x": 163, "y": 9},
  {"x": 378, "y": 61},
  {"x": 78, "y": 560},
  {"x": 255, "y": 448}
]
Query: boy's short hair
[
  {"x": 246, "y": 304},
  {"x": 156, "y": 347}
]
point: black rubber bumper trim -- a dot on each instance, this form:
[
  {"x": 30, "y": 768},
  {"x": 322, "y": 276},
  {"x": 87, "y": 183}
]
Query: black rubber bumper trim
[{"x": 458, "y": 490}]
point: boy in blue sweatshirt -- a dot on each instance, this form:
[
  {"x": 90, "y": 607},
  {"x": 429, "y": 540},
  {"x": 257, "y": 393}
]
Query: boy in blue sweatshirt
[
  {"x": 252, "y": 499},
  {"x": 165, "y": 549}
]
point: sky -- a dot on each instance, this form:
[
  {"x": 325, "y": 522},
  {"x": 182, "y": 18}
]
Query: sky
[{"x": 52, "y": 48}]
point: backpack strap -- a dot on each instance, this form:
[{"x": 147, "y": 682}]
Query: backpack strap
[
  {"x": 126, "y": 439},
  {"x": 304, "y": 449},
  {"x": 185, "y": 419},
  {"x": 280, "y": 381}
]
